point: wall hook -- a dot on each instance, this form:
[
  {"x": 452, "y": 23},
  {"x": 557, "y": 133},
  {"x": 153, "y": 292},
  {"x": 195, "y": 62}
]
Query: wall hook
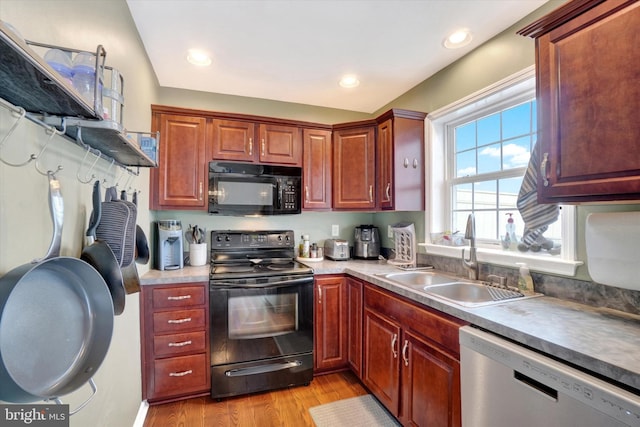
[{"x": 88, "y": 178}]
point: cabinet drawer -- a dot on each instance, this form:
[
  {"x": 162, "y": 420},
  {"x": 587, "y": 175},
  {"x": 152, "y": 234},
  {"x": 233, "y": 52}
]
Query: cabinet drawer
[
  {"x": 182, "y": 296},
  {"x": 178, "y": 320},
  {"x": 180, "y": 375},
  {"x": 176, "y": 344}
]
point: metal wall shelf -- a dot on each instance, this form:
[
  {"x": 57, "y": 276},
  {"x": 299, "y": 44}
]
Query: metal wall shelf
[{"x": 28, "y": 82}]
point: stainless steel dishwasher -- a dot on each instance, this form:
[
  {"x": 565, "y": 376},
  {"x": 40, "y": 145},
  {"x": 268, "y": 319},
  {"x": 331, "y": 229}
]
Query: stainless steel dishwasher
[{"x": 506, "y": 385}]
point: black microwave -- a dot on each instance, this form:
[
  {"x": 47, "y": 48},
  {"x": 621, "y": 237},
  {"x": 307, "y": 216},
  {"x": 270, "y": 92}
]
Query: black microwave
[{"x": 252, "y": 189}]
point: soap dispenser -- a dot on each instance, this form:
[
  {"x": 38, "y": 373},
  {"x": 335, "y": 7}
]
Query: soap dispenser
[
  {"x": 525, "y": 281},
  {"x": 510, "y": 238}
]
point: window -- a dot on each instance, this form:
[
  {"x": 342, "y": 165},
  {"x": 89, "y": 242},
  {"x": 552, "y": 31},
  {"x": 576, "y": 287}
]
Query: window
[{"x": 480, "y": 148}]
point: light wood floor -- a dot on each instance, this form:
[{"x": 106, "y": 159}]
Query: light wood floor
[{"x": 286, "y": 407}]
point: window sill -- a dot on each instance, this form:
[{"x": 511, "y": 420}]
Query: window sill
[{"x": 544, "y": 264}]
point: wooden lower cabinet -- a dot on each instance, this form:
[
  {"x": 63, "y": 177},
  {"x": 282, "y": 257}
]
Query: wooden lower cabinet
[
  {"x": 330, "y": 352},
  {"x": 175, "y": 341},
  {"x": 411, "y": 359}
]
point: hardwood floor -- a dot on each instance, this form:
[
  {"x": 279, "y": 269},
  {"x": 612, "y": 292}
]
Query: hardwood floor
[{"x": 286, "y": 407}]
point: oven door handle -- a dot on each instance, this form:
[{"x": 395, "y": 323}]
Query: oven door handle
[
  {"x": 262, "y": 369},
  {"x": 280, "y": 283}
]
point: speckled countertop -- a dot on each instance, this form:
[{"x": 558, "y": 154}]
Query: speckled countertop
[{"x": 603, "y": 341}]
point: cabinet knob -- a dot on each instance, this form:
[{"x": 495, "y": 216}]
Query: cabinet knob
[
  {"x": 262, "y": 146},
  {"x": 200, "y": 190},
  {"x": 415, "y": 163},
  {"x": 406, "y": 162},
  {"x": 250, "y": 146}
]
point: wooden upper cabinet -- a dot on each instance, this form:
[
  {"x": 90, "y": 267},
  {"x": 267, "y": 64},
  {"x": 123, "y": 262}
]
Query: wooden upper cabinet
[
  {"x": 233, "y": 140},
  {"x": 179, "y": 181},
  {"x": 317, "y": 162},
  {"x": 400, "y": 164},
  {"x": 236, "y": 140},
  {"x": 354, "y": 168},
  {"x": 280, "y": 145},
  {"x": 588, "y": 95}
]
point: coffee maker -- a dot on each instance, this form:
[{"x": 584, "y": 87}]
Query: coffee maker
[
  {"x": 366, "y": 243},
  {"x": 169, "y": 245}
]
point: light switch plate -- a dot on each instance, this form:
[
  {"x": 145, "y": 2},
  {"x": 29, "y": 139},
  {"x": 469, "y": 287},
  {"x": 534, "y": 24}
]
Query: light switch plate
[{"x": 335, "y": 230}]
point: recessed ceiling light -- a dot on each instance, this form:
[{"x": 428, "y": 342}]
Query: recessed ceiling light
[
  {"x": 198, "y": 57},
  {"x": 349, "y": 81},
  {"x": 458, "y": 39}
]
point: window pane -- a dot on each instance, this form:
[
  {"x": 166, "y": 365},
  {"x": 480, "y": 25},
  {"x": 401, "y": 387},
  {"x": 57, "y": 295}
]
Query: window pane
[
  {"x": 486, "y": 195},
  {"x": 466, "y": 163},
  {"x": 516, "y": 121},
  {"x": 465, "y": 137},
  {"x": 486, "y": 225},
  {"x": 489, "y": 129},
  {"x": 509, "y": 189},
  {"x": 462, "y": 197},
  {"x": 489, "y": 159},
  {"x": 517, "y": 153},
  {"x": 460, "y": 222}
]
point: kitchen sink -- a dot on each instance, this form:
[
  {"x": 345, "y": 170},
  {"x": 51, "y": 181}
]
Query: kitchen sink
[
  {"x": 452, "y": 289},
  {"x": 420, "y": 278}
]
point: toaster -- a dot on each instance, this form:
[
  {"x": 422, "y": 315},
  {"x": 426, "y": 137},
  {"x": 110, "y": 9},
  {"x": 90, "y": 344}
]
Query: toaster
[{"x": 336, "y": 249}]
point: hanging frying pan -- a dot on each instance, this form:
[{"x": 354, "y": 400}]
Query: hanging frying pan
[
  {"x": 100, "y": 256},
  {"x": 56, "y": 321},
  {"x": 142, "y": 244}
]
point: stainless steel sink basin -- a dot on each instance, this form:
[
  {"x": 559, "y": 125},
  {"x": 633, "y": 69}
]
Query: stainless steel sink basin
[
  {"x": 420, "y": 278},
  {"x": 454, "y": 290}
]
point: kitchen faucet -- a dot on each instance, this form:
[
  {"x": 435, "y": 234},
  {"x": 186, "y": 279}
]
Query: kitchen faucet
[{"x": 471, "y": 264}]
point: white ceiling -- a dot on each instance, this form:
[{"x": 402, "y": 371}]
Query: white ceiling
[{"x": 297, "y": 50}]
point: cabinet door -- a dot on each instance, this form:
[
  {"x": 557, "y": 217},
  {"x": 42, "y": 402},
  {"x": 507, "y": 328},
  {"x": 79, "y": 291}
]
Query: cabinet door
[
  {"x": 354, "y": 326},
  {"x": 317, "y": 169},
  {"x": 233, "y": 140},
  {"x": 354, "y": 169},
  {"x": 588, "y": 112},
  {"x": 382, "y": 359},
  {"x": 330, "y": 323},
  {"x": 408, "y": 164},
  {"x": 180, "y": 182},
  {"x": 385, "y": 164},
  {"x": 280, "y": 145},
  {"x": 430, "y": 385}
]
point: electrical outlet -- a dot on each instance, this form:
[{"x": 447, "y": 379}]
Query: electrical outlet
[
  {"x": 335, "y": 230},
  {"x": 389, "y": 232}
]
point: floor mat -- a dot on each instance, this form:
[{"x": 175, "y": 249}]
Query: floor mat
[{"x": 361, "y": 411}]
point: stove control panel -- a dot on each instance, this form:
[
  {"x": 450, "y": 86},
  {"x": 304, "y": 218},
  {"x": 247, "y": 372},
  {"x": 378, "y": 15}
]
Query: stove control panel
[{"x": 229, "y": 239}]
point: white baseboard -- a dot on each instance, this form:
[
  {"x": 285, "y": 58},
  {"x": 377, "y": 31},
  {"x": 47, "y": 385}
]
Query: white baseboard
[{"x": 142, "y": 414}]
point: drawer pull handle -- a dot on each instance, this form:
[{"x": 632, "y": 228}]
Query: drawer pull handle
[
  {"x": 393, "y": 346},
  {"x": 185, "y": 320},
  {"x": 179, "y": 344},
  {"x": 180, "y": 374},
  {"x": 179, "y": 298}
]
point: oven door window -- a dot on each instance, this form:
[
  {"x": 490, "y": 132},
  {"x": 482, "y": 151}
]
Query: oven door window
[
  {"x": 258, "y": 323},
  {"x": 259, "y": 316}
]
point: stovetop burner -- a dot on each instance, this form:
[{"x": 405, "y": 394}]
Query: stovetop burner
[{"x": 240, "y": 254}]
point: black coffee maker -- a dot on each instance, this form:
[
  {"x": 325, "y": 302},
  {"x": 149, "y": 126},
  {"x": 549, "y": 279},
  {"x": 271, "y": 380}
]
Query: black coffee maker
[{"x": 366, "y": 243}]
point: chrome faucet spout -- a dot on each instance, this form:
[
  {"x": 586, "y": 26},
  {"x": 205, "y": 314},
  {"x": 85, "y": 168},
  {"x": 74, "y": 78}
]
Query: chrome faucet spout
[{"x": 471, "y": 264}]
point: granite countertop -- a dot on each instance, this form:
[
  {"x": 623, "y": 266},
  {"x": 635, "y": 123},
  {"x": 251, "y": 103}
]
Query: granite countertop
[{"x": 604, "y": 341}]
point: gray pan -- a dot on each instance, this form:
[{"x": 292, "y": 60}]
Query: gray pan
[
  {"x": 101, "y": 257},
  {"x": 130, "y": 272},
  {"x": 56, "y": 321}
]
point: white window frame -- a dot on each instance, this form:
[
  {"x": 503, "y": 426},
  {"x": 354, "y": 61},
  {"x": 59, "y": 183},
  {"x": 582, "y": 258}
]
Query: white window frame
[{"x": 438, "y": 200}]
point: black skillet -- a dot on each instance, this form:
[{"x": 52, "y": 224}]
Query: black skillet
[{"x": 99, "y": 255}]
